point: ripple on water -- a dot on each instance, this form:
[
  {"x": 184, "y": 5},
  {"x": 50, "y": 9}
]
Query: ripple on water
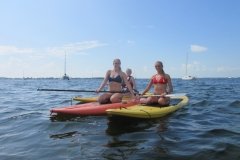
[
  {"x": 220, "y": 133},
  {"x": 221, "y": 151},
  {"x": 205, "y": 129},
  {"x": 235, "y": 103},
  {"x": 201, "y": 103}
]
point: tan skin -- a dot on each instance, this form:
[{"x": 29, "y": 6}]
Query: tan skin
[
  {"x": 159, "y": 89},
  {"x": 114, "y": 86}
]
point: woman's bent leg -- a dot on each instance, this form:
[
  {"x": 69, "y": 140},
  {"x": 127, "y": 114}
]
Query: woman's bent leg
[
  {"x": 116, "y": 98},
  {"x": 164, "y": 101},
  {"x": 104, "y": 98},
  {"x": 149, "y": 100}
]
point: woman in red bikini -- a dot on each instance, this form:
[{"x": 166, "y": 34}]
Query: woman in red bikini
[
  {"x": 162, "y": 86},
  {"x": 114, "y": 78}
]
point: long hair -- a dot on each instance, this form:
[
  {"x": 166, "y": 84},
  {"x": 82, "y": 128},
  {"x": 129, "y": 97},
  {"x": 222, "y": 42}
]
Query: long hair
[
  {"x": 117, "y": 60},
  {"x": 161, "y": 64}
]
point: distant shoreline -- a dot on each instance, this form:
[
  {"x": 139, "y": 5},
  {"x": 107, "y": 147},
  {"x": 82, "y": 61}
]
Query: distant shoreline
[
  {"x": 55, "y": 78},
  {"x": 50, "y": 78}
]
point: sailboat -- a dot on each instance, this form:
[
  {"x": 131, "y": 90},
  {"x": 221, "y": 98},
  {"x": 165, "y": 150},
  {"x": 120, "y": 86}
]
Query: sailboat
[
  {"x": 187, "y": 77},
  {"x": 65, "y": 76}
]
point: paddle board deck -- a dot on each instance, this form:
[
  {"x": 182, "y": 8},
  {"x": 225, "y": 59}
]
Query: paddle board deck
[
  {"x": 92, "y": 108},
  {"x": 147, "y": 111},
  {"x": 85, "y": 99}
]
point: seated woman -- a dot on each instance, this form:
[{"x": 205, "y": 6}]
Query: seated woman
[
  {"x": 115, "y": 78},
  {"x": 162, "y": 86},
  {"x": 131, "y": 80}
]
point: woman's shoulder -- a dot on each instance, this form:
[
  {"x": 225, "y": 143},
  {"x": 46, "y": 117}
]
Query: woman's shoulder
[
  {"x": 122, "y": 73},
  {"x": 131, "y": 77},
  {"x": 167, "y": 75},
  {"x": 109, "y": 71}
]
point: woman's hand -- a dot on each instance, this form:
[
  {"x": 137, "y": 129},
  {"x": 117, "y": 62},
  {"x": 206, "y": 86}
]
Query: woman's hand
[
  {"x": 97, "y": 90},
  {"x": 163, "y": 94}
]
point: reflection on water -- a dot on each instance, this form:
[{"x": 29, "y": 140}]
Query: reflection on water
[
  {"x": 134, "y": 138},
  {"x": 63, "y": 135},
  {"x": 64, "y": 117},
  {"x": 120, "y": 125}
]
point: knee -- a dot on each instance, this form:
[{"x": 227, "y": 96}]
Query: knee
[
  {"x": 143, "y": 100},
  {"x": 163, "y": 101},
  {"x": 115, "y": 99},
  {"x": 99, "y": 99},
  {"x": 103, "y": 100},
  {"x": 146, "y": 100}
]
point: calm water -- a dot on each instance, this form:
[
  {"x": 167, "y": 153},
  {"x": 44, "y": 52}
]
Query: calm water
[{"x": 208, "y": 128}]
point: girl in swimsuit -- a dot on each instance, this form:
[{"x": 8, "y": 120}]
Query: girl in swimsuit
[
  {"x": 115, "y": 78},
  {"x": 162, "y": 86},
  {"x": 131, "y": 80}
]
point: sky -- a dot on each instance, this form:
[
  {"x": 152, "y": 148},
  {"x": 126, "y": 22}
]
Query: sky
[{"x": 36, "y": 35}]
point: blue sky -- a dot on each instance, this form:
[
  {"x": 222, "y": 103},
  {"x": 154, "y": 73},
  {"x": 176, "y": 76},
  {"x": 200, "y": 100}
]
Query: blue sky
[{"x": 34, "y": 35}]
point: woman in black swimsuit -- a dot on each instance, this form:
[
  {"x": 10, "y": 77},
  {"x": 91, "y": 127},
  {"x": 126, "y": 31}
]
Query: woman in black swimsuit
[{"x": 115, "y": 78}]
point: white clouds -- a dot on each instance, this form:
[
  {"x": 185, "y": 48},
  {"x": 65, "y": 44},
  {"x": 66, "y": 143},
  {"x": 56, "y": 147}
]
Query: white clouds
[
  {"x": 8, "y": 49},
  {"x": 41, "y": 62},
  {"x": 78, "y": 47},
  {"x": 195, "y": 68},
  {"x": 201, "y": 70},
  {"x": 197, "y": 48},
  {"x": 130, "y": 42},
  {"x": 224, "y": 69}
]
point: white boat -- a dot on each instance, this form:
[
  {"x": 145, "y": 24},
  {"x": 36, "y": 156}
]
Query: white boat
[
  {"x": 65, "y": 76},
  {"x": 187, "y": 77}
]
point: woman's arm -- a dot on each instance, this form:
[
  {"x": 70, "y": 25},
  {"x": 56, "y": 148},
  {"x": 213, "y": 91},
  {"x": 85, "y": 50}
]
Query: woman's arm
[
  {"x": 134, "y": 83},
  {"x": 170, "y": 87},
  {"x": 148, "y": 87},
  {"x": 104, "y": 82}
]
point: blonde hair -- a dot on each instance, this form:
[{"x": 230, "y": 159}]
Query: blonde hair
[
  {"x": 129, "y": 70},
  {"x": 117, "y": 60}
]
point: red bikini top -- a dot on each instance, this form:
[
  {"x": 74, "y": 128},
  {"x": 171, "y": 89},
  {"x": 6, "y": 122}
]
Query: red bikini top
[{"x": 159, "y": 79}]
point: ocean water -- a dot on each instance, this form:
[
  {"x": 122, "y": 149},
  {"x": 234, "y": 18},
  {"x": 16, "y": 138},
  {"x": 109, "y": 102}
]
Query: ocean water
[{"x": 207, "y": 128}]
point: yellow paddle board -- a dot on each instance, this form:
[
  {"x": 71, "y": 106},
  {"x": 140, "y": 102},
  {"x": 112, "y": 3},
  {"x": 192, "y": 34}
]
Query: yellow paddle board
[{"x": 147, "y": 111}]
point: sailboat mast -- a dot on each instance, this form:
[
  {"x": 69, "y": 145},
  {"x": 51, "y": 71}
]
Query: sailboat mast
[
  {"x": 65, "y": 65},
  {"x": 186, "y": 72},
  {"x": 187, "y": 77}
]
